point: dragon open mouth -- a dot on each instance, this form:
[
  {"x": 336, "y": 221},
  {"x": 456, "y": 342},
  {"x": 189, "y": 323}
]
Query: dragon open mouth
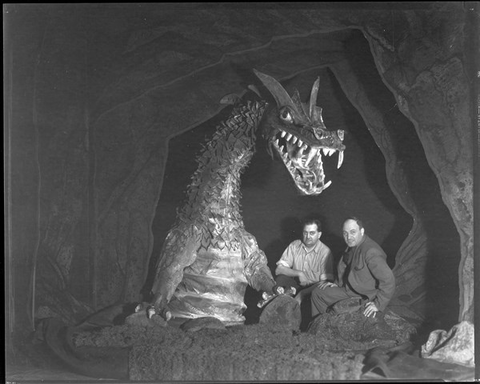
[
  {"x": 304, "y": 162},
  {"x": 297, "y": 131}
]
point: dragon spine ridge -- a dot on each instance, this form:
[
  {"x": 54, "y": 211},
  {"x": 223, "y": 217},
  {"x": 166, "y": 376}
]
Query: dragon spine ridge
[{"x": 222, "y": 160}]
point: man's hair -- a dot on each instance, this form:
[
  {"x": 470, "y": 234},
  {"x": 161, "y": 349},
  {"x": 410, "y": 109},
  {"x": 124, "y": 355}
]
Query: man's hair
[
  {"x": 313, "y": 221},
  {"x": 356, "y": 219}
]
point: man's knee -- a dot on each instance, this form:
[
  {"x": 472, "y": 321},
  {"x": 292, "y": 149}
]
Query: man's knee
[
  {"x": 329, "y": 294},
  {"x": 318, "y": 301},
  {"x": 318, "y": 293}
]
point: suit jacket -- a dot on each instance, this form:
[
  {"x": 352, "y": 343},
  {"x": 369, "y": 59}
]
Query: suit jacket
[{"x": 368, "y": 273}]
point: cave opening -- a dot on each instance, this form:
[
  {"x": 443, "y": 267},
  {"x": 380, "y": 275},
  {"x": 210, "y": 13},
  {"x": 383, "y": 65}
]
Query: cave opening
[
  {"x": 440, "y": 292},
  {"x": 272, "y": 209}
]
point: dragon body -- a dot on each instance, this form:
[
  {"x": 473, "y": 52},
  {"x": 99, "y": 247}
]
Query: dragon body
[{"x": 208, "y": 257}]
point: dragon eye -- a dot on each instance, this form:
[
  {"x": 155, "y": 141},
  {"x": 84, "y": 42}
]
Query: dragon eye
[
  {"x": 285, "y": 115},
  {"x": 318, "y": 133}
]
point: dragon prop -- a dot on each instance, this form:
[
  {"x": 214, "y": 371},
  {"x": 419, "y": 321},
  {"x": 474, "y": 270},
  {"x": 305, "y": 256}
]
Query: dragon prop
[{"x": 208, "y": 257}]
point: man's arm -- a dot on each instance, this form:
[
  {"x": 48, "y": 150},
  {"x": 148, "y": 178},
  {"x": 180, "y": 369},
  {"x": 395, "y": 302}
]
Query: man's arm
[
  {"x": 386, "y": 280},
  {"x": 287, "y": 271},
  {"x": 341, "y": 267},
  {"x": 284, "y": 265},
  {"x": 327, "y": 267},
  {"x": 332, "y": 280}
]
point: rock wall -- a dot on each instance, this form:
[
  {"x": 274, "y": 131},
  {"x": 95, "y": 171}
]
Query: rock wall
[{"x": 422, "y": 58}]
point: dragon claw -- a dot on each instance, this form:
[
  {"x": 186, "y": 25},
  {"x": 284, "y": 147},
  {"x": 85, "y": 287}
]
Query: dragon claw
[
  {"x": 150, "y": 312},
  {"x": 167, "y": 315}
]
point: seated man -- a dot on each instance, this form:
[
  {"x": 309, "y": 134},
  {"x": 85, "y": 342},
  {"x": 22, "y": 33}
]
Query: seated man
[
  {"x": 305, "y": 263},
  {"x": 363, "y": 272}
]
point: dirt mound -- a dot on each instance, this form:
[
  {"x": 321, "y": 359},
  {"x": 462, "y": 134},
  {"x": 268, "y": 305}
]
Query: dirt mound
[
  {"x": 249, "y": 352},
  {"x": 273, "y": 349},
  {"x": 282, "y": 311},
  {"x": 349, "y": 325}
]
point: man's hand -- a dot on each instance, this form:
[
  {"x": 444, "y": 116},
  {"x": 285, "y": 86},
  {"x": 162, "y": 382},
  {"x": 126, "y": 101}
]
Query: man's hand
[
  {"x": 299, "y": 297},
  {"x": 370, "y": 309},
  {"x": 326, "y": 284},
  {"x": 303, "y": 279}
]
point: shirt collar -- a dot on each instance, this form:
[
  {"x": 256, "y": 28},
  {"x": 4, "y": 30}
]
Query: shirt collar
[{"x": 316, "y": 247}]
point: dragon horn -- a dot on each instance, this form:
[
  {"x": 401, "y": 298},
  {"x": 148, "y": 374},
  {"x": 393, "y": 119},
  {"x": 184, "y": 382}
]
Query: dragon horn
[
  {"x": 313, "y": 96},
  {"x": 254, "y": 89},
  {"x": 278, "y": 92}
]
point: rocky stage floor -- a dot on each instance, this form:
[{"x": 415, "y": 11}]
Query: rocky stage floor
[
  {"x": 254, "y": 352},
  {"x": 149, "y": 350}
]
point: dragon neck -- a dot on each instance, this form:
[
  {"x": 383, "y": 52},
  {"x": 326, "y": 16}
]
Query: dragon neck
[{"x": 214, "y": 193}]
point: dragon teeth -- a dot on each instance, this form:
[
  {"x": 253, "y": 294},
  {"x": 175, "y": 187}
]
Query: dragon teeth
[
  {"x": 325, "y": 186},
  {"x": 289, "y": 136},
  {"x": 328, "y": 151},
  {"x": 340, "y": 159},
  {"x": 284, "y": 133},
  {"x": 294, "y": 140},
  {"x": 311, "y": 155},
  {"x": 300, "y": 143}
]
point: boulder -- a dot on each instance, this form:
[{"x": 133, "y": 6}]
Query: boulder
[
  {"x": 455, "y": 346},
  {"x": 345, "y": 320},
  {"x": 282, "y": 311}
]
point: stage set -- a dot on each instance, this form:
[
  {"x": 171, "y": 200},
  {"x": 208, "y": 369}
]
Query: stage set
[{"x": 160, "y": 157}]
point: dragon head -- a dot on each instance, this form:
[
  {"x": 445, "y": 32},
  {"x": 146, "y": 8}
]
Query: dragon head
[{"x": 298, "y": 134}]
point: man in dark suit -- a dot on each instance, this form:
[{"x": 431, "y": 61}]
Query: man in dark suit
[{"x": 363, "y": 272}]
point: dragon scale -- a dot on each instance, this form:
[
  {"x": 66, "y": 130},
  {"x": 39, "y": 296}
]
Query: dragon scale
[{"x": 218, "y": 256}]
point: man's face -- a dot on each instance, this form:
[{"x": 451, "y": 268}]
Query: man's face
[
  {"x": 352, "y": 234},
  {"x": 311, "y": 235}
]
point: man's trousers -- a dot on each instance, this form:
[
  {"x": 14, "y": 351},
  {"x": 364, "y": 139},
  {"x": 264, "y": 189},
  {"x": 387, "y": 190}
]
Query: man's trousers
[{"x": 323, "y": 298}]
